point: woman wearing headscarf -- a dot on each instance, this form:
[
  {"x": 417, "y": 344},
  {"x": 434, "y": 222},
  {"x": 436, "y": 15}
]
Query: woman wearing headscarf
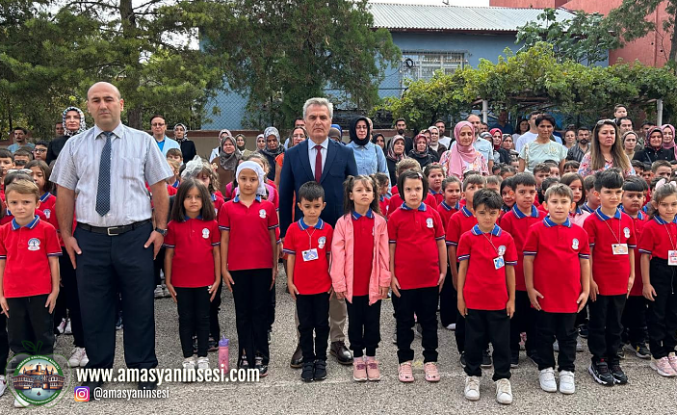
[
  {"x": 395, "y": 153},
  {"x": 655, "y": 148},
  {"x": 298, "y": 134},
  {"x": 260, "y": 142},
  {"x": 242, "y": 145},
  {"x": 272, "y": 149},
  {"x": 669, "y": 137},
  {"x": 229, "y": 158},
  {"x": 497, "y": 141},
  {"x": 421, "y": 151},
  {"x": 368, "y": 156},
  {"x": 188, "y": 150},
  {"x": 463, "y": 157},
  {"x": 73, "y": 124}
]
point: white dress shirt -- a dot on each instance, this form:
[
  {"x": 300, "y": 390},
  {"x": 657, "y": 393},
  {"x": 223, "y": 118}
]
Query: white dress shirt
[{"x": 312, "y": 153}]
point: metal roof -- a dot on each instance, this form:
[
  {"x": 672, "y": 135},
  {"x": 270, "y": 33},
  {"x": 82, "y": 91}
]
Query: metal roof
[{"x": 411, "y": 17}]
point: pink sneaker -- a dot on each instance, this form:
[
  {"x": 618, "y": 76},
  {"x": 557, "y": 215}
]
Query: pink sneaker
[
  {"x": 405, "y": 373},
  {"x": 672, "y": 359},
  {"x": 373, "y": 372},
  {"x": 431, "y": 372},
  {"x": 663, "y": 367},
  {"x": 359, "y": 370}
]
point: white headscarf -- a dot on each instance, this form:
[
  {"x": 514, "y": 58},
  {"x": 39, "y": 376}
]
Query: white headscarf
[{"x": 251, "y": 165}]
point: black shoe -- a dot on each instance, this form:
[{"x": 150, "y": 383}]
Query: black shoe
[
  {"x": 320, "y": 370},
  {"x": 642, "y": 351},
  {"x": 213, "y": 345},
  {"x": 243, "y": 363},
  {"x": 583, "y": 331},
  {"x": 514, "y": 361},
  {"x": 341, "y": 353},
  {"x": 462, "y": 360},
  {"x": 297, "y": 358},
  {"x": 147, "y": 386},
  {"x": 619, "y": 376},
  {"x": 600, "y": 372},
  {"x": 307, "y": 372},
  {"x": 486, "y": 360},
  {"x": 263, "y": 369}
]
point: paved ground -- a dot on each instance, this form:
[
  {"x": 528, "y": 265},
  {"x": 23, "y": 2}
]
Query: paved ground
[{"x": 283, "y": 392}]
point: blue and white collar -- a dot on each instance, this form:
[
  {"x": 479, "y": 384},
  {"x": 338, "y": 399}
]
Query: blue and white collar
[
  {"x": 466, "y": 212},
  {"x": 318, "y": 225},
  {"x": 518, "y": 213},
  {"x": 45, "y": 197},
  {"x": 446, "y": 207},
  {"x": 496, "y": 231},
  {"x": 369, "y": 214},
  {"x": 32, "y": 224},
  {"x": 604, "y": 217},
  {"x": 549, "y": 223},
  {"x": 660, "y": 220},
  {"x": 421, "y": 207},
  {"x": 237, "y": 198}
]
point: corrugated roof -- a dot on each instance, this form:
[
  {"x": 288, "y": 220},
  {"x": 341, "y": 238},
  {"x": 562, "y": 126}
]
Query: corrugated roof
[{"x": 453, "y": 18}]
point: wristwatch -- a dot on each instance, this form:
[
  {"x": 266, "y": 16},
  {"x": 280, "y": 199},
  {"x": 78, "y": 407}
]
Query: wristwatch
[{"x": 162, "y": 232}]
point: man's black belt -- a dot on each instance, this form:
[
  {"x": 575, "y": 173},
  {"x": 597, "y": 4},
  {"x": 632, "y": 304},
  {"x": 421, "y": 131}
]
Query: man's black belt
[{"x": 113, "y": 230}]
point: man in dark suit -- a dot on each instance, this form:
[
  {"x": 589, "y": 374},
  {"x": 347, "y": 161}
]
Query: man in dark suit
[{"x": 329, "y": 163}]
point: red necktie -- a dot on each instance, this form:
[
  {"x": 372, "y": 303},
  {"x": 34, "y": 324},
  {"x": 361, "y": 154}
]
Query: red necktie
[{"x": 318, "y": 163}]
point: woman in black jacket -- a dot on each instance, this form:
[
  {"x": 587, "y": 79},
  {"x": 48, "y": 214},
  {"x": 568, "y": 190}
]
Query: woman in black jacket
[
  {"x": 395, "y": 153},
  {"x": 654, "y": 149}
]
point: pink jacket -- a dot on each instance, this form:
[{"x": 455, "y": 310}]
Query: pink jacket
[{"x": 342, "y": 264}]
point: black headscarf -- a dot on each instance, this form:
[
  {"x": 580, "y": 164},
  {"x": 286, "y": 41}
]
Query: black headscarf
[{"x": 353, "y": 131}]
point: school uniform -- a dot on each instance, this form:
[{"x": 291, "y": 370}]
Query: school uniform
[
  {"x": 486, "y": 295},
  {"x": 311, "y": 245},
  {"x": 8, "y": 217},
  {"x": 415, "y": 233},
  {"x": 611, "y": 238},
  {"x": 557, "y": 250},
  {"x": 517, "y": 224},
  {"x": 27, "y": 282},
  {"x": 48, "y": 205},
  {"x": 439, "y": 196},
  {"x": 634, "y": 313},
  {"x": 193, "y": 272},
  {"x": 383, "y": 203},
  {"x": 448, "y": 309},
  {"x": 658, "y": 239},
  {"x": 587, "y": 208},
  {"x": 396, "y": 201},
  {"x": 250, "y": 263}
]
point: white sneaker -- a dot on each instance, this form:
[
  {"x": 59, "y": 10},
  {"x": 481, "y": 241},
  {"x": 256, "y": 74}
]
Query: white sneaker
[
  {"x": 62, "y": 326},
  {"x": 566, "y": 382},
  {"x": 546, "y": 378},
  {"x": 85, "y": 359},
  {"x": 579, "y": 346},
  {"x": 555, "y": 346},
  {"x": 503, "y": 392},
  {"x": 67, "y": 329},
  {"x": 76, "y": 357},
  {"x": 203, "y": 363},
  {"x": 472, "y": 388},
  {"x": 3, "y": 385},
  {"x": 451, "y": 326},
  {"x": 19, "y": 402},
  {"x": 158, "y": 293},
  {"x": 189, "y": 366}
]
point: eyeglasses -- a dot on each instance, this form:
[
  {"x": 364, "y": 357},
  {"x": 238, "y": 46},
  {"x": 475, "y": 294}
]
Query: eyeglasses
[
  {"x": 157, "y": 125},
  {"x": 20, "y": 163}
]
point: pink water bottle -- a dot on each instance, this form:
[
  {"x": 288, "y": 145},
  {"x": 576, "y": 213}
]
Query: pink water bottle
[{"x": 223, "y": 354}]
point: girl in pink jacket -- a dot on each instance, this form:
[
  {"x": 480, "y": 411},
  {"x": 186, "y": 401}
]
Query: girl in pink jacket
[{"x": 360, "y": 271}]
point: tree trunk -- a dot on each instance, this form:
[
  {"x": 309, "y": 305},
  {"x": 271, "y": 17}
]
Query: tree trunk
[{"x": 131, "y": 80}]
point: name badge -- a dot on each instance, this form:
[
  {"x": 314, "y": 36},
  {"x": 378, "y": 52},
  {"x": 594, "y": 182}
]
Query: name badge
[
  {"x": 499, "y": 262},
  {"x": 619, "y": 249},
  {"x": 672, "y": 258},
  {"x": 310, "y": 255}
]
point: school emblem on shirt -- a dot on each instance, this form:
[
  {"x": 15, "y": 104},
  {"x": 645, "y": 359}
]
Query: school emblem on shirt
[
  {"x": 501, "y": 250},
  {"x": 205, "y": 233},
  {"x": 34, "y": 244},
  {"x": 262, "y": 213},
  {"x": 429, "y": 222},
  {"x": 47, "y": 213},
  {"x": 321, "y": 242},
  {"x": 574, "y": 244},
  {"x": 626, "y": 232}
]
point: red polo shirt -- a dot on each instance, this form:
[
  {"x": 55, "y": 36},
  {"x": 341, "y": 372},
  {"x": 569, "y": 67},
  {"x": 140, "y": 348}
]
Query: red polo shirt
[
  {"x": 415, "y": 233},
  {"x": 48, "y": 205},
  {"x": 557, "y": 250},
  {"x": 657, "y": 236},
  {"x": 218, "y": 202},
  {"x": 446, "y": 211},
  {"x": 396, "y": 201},
  {"x": 459, "y": 223},
  {"x": 363, "y": 251},
  {"x": 383, "y": 203},
  {"x": 25, "y": 250},
  {"x": 485, "y": 286},
  {"x": 249, "y": 240},
  {"x": 311, "y": 276},
  {"x": 517, "y": 224},
  {"x": 439, "y": 196},
  {"x": 193, "y": 242},
  {"x": 610, "y": 272},
  {"x": 639, "y": 221}
]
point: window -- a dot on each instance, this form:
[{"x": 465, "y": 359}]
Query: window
[{"x": 422, "y": 65}]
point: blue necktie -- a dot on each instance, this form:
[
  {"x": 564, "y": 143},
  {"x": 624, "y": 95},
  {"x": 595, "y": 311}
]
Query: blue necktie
[{"x": 103, "y": 191}]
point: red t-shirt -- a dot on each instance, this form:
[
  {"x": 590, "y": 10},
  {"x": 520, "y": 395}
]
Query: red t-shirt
[
  {"x": 311, "y": 269},
  {"x": 439, "y": 196},
  {"x": 193, "y": 242},
  {"x": 25, "y": 250},
  {"x": 415, "y": 233},
  {"x": 249, "y": 244},
  {"x": 8, "y": 216},
  {"x": 363, "y": 251},
  {"x": 610, "y": 272},
  {"x": 218, "y": 202},
  {"x": 639, "y": 221},
  {"x": 485, "y": 286},
  {"x": 446, "y": 211},
  {"x": 171, "y": 190},
  {"x": 394, "y": 191},
  {"x": 459, "y": 223},
  {"x": 48, "y": 205},
  {"x": 557, "y": 250},
  {"x": 396, "y": 202},
  {"x": 383, "y": 203},
  {"x": 658, "y": 237},
  {"x": 517, "y": 224}
]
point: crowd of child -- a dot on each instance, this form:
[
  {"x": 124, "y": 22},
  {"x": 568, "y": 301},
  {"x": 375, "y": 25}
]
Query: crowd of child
[{"x": 512, "y": 260}]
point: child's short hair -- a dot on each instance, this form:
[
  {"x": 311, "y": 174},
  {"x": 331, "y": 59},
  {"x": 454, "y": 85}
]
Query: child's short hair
[
  {"x": 179, "y": 211},
  {"x": 524, "y": 179},
  {"x": 174, "y": 152},
  {"x": 407, "y": 164},
  {"x": 656, "y": 164},
  {"x": 541, "y": 168},
  {"x": 6, "y": 154},
  {"x": 635, "y": 184},
  {"x": 413, "y": 175},
  {"x": 589, "y": 182},
  {"x": 637, "y": 165},
  {"x": 311, "y": 191},
  {"x": 548, "y": 182},
  {"x": 24, "y": 152},
  {"x": 608, "y": 179},
  {"x": 349, "y": 185},
  {"x": 487, "y": 197},
  {"x": 506, "y": 168},
  {"x": 509, "y": 182},
  {"x": 18, "y": 175},
  {"x": 427, "y": 170},
  {"x": 551, "y": 163},
  {"x": 46, "y": 172},
  {"x": 175, "y": 164},
  {"x": 207, "y": 170},
  {"x": 494, "y": 180},
  {"x": 475, "y": 179},
  {"x": 23, "y": 187},
  {"x": 470, "y": 173},
  {"x": 572, "y": 164},
  {"x": 496, "y": 169},
  {"x": 559, "y": 189},
  {"x": 449, "y": 180},
  {"x": 569, "y": 178},
  {"x": 381, "y": 179}
]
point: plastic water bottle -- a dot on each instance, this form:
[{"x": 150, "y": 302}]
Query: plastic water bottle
[{"x": 223, "y": 354}]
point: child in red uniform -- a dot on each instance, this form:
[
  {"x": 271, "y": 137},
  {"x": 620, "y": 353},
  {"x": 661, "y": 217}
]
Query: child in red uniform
[
  {"x": 575, "y": 183},
  {"x": 592, "y": 200},
  {"x": 418, "y": 265},
  {"x": 557, "y": 273},
  {"x": 396, "y": 201},
  {"x": 382, "y": 181},
  {"x": 451, "y": 187},
  {"x": 611, "y": 234},
  {"x": 40, "y": 173},
  {"x": 249, "y": 262},
  {"x": 9, "y": 179},
  {"x": 192, "y": 267},
  {"x": 460, "y": 223},
  {"x": 360, "y": 271},
  {"x": 517, "y": 223},
  {"x": 658, "y": 246},
  {"x": 634, "y": 313},
  {"x": 508, "y": 195},
  {"x": 486, "y": 295},
  {"x": 308, "y": 244},
  {"x": 434, "y": 173}
]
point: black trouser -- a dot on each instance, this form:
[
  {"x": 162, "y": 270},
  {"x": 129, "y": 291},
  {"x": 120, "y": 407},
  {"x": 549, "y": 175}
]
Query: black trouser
[
  {"x": 193, "y": 307},
  {"x": 560, "y": 326},
  {"x": 30, "y": 321},
  {"x": 662, "y": 315},
  {"x": 448, "y": 302},
  {"x": 250, "y": 295},
  {"x": 582, "y": 316},
  {"x": 4, "y": 344},
  {"x": 59, "y": 312},
  {"x": 114, "y": 269},
  {"x": 70, "y": 291},
  {"x": 634, "y": 320},
  {"x": 313, "y": 312},
  {"x": 214, "y": 308},
  {"x": 605, "y": 327},
  {"x": 483, "y": 326},
  {"x": 423, "y": 303},
  {"x": 363, "y": 325},
  {"x": 522, "y": 322},
  {"x": 158, "y": 266},
  {"x": 271, "y": 309}
]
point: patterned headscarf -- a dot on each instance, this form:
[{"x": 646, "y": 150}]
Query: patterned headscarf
[
  {"x": 185, "y": 132},
  {"x": 228, "y": 161},
  {"x": 279, "y": 150},
  {"x": 83, "y": 125}
]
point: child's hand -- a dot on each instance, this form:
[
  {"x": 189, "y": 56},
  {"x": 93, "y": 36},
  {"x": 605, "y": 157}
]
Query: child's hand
[
  {"x": 533, "y": 297},
  {"x": 395, "y": 286},
  {"x": 582, "y": 300},
  {"x": 228, "y": 280},
  {"x": 331, "y": 293},
  {"x": 440, "y": 282},
  {"x": 51, "y": 300},
  {"x": 510, "y": 308},
  {"x": 383, "y": 292},
  {"x": 340, "y": 295},
  {"x": 648, "y": 292},
  {"x": 4, "y": 306},
  {"x": 461, "y": 307},
  {"x": 171, "y": 290},
  {"x": 213, "y": 289},
  {"x": 631, "y": 282},
  {"x": 292, "y": 289},
  {"x": 594, "y": 290}
]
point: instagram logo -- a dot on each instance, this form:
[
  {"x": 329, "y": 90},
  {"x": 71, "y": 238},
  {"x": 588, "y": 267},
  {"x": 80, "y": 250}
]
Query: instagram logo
[{"x": 82, "y": 394}]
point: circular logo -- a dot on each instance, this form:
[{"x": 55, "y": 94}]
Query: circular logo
[
  {"x": 501, "y": 250},
  {"x": 574, "y": 244},
  {"x": 205, "y": 233},
  {"x": 38, "y": 380},
  {"x": 321, "y": 242},
  {"x": 47, "y": 213},
  {"x": 626, "y": 232},
  {"x": 262, "y": 213},
  {"x": 34, "y": 244}
]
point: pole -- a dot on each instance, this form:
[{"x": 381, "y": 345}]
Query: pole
[
  {"x": 659, "y": 111},
  {"x": 485, "y": 110}
]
